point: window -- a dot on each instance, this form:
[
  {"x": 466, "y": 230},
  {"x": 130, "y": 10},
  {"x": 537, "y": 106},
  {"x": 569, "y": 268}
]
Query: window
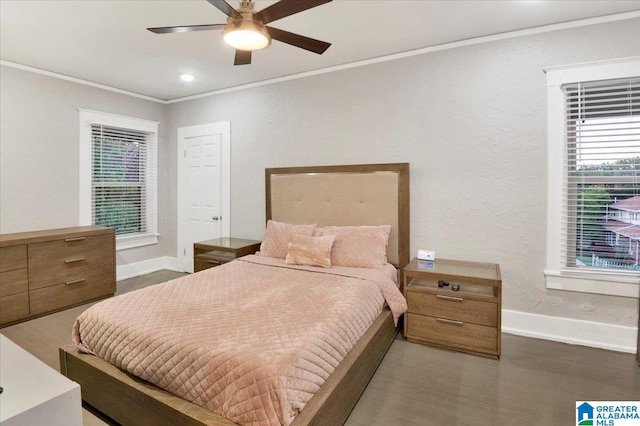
[
  {"x": 593, "y": 235},
  {"x": 118, "y": 176}
]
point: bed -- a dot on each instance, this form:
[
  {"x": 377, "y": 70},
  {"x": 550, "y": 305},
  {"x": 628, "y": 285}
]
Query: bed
[{"x": 369, "y": 195}]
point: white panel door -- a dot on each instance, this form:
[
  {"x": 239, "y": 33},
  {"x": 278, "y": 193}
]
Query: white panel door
[
  {"x": 203, "y": 163},
  {"x": 202, "y": 187}
]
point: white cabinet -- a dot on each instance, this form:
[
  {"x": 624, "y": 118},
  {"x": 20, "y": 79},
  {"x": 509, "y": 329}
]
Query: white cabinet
[{"x": 34, "y": 393}]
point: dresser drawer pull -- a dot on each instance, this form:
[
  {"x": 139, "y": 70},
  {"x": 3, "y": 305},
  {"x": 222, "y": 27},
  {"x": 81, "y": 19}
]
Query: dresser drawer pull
[
  {"x": 213, "y": 262},
  {"x": 69, "y": 240},
  {"x": 80, "y": 259},
  {"x": 450, "y": 298},
  {"x": 81, "y": 280},
  {"x": 448, "y": 321}
]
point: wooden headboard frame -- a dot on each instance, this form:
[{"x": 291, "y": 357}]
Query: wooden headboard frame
[{"x": 363, "y": 194}]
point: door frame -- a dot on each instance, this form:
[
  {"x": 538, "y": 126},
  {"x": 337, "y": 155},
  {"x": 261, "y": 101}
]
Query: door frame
[{"x": 184, "y": 133}]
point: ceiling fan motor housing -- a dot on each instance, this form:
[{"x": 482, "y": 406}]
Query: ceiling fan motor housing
[{"x": 246, "y": 5}]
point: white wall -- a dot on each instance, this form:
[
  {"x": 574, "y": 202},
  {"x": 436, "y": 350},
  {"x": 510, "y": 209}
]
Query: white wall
[
  {"x": 39, "y": 136},
  {"x": 472, "y": 123}
]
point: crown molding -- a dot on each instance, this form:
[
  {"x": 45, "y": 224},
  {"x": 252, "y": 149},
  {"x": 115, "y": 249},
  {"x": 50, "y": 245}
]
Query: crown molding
[
  {"x": 78, "y": 81},
  {"x": 392, "y": 57}
]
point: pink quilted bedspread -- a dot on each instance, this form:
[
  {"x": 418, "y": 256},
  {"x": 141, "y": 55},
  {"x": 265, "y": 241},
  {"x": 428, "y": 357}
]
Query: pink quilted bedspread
[{"x": 251, "y": 340}]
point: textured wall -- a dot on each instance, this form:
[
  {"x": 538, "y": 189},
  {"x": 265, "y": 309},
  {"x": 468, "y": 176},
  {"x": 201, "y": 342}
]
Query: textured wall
[
  {"x": 39, "y": 134},
  {"x": 472, "y": 123}
]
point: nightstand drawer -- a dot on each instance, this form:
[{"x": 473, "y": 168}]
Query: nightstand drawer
[
  {"x": 211, "y": 259},
  {"x": 449, "y": 333},
  {"x": 453, "y": 307}
]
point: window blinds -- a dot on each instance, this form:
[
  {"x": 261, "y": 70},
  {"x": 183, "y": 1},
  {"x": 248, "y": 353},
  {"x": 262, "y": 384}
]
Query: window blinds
[
  {"x": 123, "y": 180},
  {"x": 601, "y": 227}
]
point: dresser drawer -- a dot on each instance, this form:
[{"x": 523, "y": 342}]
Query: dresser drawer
[
  {"x": 448, "y": 333},
  {"x": 62, "y": 295},
  {"x": 69, "y": 259},
  {"x": 72, "y": 269},
  {"x": 13, "y": 257},
  {"x": 14, "y": 307},
  {"x": 14, "y": 282},
  {"x": 453, "y": 307},
  {"x": 54, "y": 252}
]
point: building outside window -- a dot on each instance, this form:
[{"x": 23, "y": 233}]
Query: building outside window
[
  {"x": 593, "y": 234},
  {"x": 603, "y": 170}
]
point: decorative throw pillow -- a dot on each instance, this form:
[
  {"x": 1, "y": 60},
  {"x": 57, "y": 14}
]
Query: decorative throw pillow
[
  {"x": 276, "y": 237},
  {"x": 359, "y": 246},
  {"x": 312, "y": 251}
]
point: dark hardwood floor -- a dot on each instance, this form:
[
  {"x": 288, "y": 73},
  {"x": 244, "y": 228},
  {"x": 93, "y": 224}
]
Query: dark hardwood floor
[{"x": 534, "y": 382}]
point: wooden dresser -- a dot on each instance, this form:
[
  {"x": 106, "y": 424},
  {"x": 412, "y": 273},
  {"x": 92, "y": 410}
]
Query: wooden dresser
[{"x": 46, "y": 271}]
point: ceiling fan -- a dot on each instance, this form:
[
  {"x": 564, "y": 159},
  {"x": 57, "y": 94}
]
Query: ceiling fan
[{"x": 247, "y": 30}]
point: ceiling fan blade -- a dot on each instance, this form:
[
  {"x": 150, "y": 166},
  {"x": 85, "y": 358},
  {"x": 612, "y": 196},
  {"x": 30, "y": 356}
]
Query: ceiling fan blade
[
  {"x": 284, "y": 8},
  {"x": 243, "y": 57},
  {"x": 186, "y": 28},
  {"x": 225, "y": 8},
  {"x": 297, "y": 40}
]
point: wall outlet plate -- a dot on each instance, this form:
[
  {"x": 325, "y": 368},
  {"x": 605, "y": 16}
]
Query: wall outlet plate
[{"x": 426, "y": 255}]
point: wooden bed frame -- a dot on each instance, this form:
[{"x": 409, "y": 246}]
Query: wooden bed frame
[{"x": 336, "y": 195}]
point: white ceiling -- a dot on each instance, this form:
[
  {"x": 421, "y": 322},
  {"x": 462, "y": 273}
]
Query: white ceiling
[{"x": 106, "y": 42}]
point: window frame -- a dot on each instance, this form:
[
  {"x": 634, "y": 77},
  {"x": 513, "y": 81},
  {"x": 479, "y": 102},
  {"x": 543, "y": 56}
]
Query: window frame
[
  {"x": 89, "y": 118},
  {"x": 557, "y": 277}
]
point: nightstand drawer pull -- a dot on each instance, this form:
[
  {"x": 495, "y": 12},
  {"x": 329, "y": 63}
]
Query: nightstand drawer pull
[
  {"x": 80, "y": 259},
  {"x": 81, "y": 280},
  {"x": 69, "y": 240},
  {"x": 448, "y": 321},
  {"x": 213, "y": 262},
  {"x": 450, "y": 298}
]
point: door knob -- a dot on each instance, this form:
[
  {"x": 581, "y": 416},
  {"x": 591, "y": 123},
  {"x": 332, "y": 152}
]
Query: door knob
[{"x": 216, "y": 218}]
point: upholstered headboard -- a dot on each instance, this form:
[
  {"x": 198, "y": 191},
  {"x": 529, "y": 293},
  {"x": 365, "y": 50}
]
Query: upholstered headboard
[{"x": 364, "y": 194}]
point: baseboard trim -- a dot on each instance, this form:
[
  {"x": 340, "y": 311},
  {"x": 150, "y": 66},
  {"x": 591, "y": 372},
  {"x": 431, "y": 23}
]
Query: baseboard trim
[
  {"x": 566, "y": 330},
  {"x": 146, "y": 267}
]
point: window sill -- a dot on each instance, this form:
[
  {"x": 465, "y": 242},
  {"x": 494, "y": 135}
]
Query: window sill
[
  {"x": 134, "y": 241},
  {"x": 623, "y": 286}
]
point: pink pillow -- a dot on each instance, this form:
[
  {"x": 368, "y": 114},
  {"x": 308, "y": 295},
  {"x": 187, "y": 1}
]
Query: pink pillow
[
  {"x": 312, "y": 251},
  {"x": 276, "y": 237},
  {"x": 359, "y": 246}
]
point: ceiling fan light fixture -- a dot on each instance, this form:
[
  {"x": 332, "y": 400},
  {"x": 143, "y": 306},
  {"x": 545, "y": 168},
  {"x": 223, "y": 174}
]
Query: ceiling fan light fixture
[
  {"x": 246, "y": 35},
  {"x": 246, "y": 30}
]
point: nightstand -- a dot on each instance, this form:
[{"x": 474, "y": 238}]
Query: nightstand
[
  {"x": 210, "y": 253},
  {"x": 454, "y": 304}
]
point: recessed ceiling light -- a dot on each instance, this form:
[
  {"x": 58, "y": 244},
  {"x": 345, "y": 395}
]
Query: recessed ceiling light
[{"x": 187, "y": 77}]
